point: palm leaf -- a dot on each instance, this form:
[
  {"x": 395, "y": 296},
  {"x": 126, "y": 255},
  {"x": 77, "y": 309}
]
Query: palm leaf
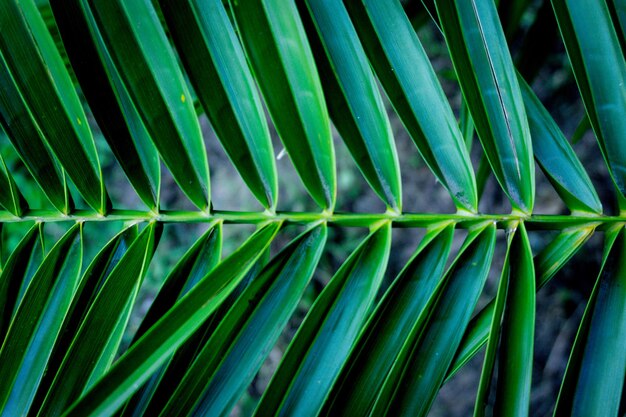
[{"x": 272, "y": 323}]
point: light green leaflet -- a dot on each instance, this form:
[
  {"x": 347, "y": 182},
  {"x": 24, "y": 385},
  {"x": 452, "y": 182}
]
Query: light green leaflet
[
  {"x": 283, "y": 65},
  {"x": 106, "y": 312},
  {"x": 197, "y": 262},
  {"x": 22, "y": 131},
  {"x": 557, "y": 158},
  {"x": 319, "y": 349},
  {"x": 353, "y": 97},
  {"x": 217, "y": 68},
  {"x": 384, "y": 334},
  {"x": 489, "y": 84},
  {"x": 600, "y": 70},
  {"x": 90, "y": 285},
  {"x": 244, "y": 337},
  {"x": 146, "y": 356},
  {"x": 37, "y": 322},
  {"x": 412, "y": 86},
  {"x": 187, "y": 353},
  {"x": 40, "y": 76},
  {"x": 594, "y": 378},
  {"x": 512, "y": 329},
  {"x": 139, "y": 48},
  {"x": 11, "y": 198},
  {"x": 107, "y": 97},
  {"x": 13, "y": 275},
  {"x": 547, "y": 263},
  {"x": 413, "y": 382}
]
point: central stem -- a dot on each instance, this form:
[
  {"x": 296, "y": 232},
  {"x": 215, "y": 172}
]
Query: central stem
[{"x": 533, "y": 222}]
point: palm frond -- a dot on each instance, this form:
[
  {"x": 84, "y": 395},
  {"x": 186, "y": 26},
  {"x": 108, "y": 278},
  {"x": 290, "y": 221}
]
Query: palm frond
[{"x": 88, "y": 84}]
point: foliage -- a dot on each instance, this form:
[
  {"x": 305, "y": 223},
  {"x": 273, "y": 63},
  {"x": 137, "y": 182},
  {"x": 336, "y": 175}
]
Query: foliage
[{"x": 145, "y": 69}]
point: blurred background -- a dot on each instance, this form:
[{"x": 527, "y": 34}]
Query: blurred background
[{"x": 539, "y": 53}]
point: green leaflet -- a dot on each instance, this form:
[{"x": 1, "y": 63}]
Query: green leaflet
[
  {"x": 384, "y": 334},
  {"x": 466, "y": 125},
  {"x": 600, "y": 70},
  {"x": 141, "y": 53},
  {"x": 22, "y": 131},
  {"x": 108, "y": 98},
  {"x": 512, "y": 329},
  {"x": 557, "y": 158},
  {"x": 90, "y": 285},
  {"x": 13, "y": 276},
  {"x": 105, "y": 313},
  {"x": 547, "y": 263},
  {"x": 594, "y": 379},
  {"x": 10, "y": 196},
  {"x": 40, "y": 76},
  {"x": 198, "y": 261},
  {"x": 244, "y": 337},
  {"x": 281, "y": 58},
  {"x": 134, "y": 367},
  {"x": 187, "y": 353},
  {"x": 217, "y": 68},
  {"x": 421, "y": 366},
  {"x": 620, "y": 11},
  {"x": 353, "y": 98},
  {"x": 412, "y": 86},
  {"x": 37, "y": 322},
  {"x": 323, "y": 342},
  {"x": 489, "y": 84}
]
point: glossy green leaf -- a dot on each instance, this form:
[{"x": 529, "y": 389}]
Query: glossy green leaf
[
  {"x": 217, "y": 68},
  {"x": 37, "y": 322},
  {"x": 11, "y": 199},
  {"x": 90, "y": 285},
  {"x": 106, "y": 311},
  {"x": 421, "y": 366},
  {"x": 139, "y": 49},
  {"x": 466, "y": 124},
  {"x": 281, "y": 58},
  {"x": 489, "y": 84},
  {"x": 155, "y": 398},
  {"x": 22, "y": 131},
  {"x": 512, "y": 329},
  {"x": 547, "y": 263},
  {"x": 583, "y": 127},
  {"x": 13, "y": 276},
  {"x": 557, "y": 158},
  {"x": 319, "y": 349},
  {"x": 199, "y": 260},
  {"x": 107, "y": 98},
  {"x": 600, "y": 70},
  {"x": 517, "y": 332},
  {"x": 42, "y": 79},
  {"x": 354, "y": 102},
  {"x": 146, "y": 356},
  {"x": 619, "y": 6},
  {"x": 243, "y": 339},
  {"x": 412, "y": 86},
  {"x": 384, "y": 334},
  {"x": 594, "y": 378}
]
